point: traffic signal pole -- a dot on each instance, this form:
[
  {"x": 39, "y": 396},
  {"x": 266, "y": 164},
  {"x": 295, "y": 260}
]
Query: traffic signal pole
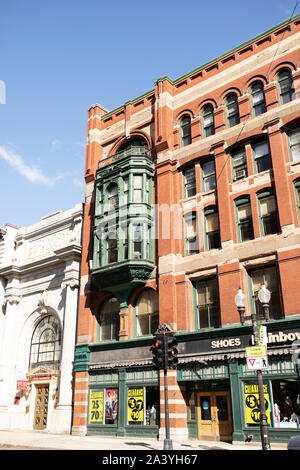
[
  {"x": 164, "y": 353},
  {"x": 168, "y": 444}
]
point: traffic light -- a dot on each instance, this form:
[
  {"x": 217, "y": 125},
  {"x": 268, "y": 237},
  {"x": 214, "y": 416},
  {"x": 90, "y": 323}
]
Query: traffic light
[
  {"x": 172, "y": 352},
  {"x": 157, "y": 350}
]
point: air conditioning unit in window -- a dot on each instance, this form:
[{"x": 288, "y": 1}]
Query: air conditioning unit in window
[{"x": 240, "y": 174}]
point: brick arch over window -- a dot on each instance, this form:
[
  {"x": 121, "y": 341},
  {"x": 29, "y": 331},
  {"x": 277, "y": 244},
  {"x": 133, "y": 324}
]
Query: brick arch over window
[
  {"x": 279, "y": 67},
  {"x": 221, "y": 101},
  {"x": 122, "y": 141},
  {"x": 256, "y": 78},
  {"x": 206, "y": 102},
  {"x": 181, "y": 114}
]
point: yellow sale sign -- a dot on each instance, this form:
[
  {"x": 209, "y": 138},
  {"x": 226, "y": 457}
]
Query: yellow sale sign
[
  {"x": 96, "y": 407},
  {"x": 251, "y": 397},
  {"x": 135, "y": 405}
]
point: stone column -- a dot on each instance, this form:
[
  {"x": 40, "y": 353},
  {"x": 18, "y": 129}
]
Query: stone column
[
  {"x": 63, "y": 412},
  {"x": 8, "y": 358}
]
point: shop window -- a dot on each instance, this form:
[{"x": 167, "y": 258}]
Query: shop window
[
  {"x": 258, "y": 98},
  {"x": 103, "y": 406},
  {"x": 185, "y": 131},
  {"x": 208, "y": 176},
  {"x": 147, "y": 313},
  {"x": 239, "y": 164},
  {"x": 262, "y": 157},
  {"x": 285, "y": 86},
  {"x": 294, "y": 144},
  {"x": 267, "y": 276},
  {"x": 208, "y": 304},
  {"x": 191, "y": 235},
  {"x": 143, "y": 406},
  {"x": 282, "y": 402},
  {"x": 212, "y": 230},
  {"x": 268, "y": 213},
  {"x": 208, "y": 120},
  {"x": 110, "y": 320},
  {"x": 232, "y": 110},
  {"x": 189, "y": 182},
  {"x": 46, "y": 343},
  {"x": 244, "y": 219}
]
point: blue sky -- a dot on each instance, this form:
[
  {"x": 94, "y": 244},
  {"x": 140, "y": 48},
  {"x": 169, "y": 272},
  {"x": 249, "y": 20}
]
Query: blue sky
[{"x": 60, "y": 57}]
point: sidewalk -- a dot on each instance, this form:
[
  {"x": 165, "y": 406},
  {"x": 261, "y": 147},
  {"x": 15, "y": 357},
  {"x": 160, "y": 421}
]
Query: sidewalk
[{"x": 41, "y": 440}]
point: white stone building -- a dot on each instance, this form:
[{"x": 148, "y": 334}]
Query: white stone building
[{"x": 39, "y": 281}]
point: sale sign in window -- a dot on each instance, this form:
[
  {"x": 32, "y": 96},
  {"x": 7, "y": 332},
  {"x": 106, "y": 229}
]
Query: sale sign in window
[
  {"x": 96, "y": 407},
  {"x": 252, "y": 403},
  {"x": 135, "y": 405}
]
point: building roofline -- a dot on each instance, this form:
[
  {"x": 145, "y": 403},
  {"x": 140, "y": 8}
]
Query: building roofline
[{"x": 201, "y": 67}]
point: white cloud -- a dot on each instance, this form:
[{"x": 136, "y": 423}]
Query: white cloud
[
  {"x": 32, "y": 174},
  {"x": 55, "y": 145}
]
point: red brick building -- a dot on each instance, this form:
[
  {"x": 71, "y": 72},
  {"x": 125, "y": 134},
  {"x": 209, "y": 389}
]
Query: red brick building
[{"x": 192, "y": 191}]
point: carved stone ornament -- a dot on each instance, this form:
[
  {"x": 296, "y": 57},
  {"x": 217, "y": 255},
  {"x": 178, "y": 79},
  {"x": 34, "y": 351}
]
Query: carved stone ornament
[
  {"x": 42, "y": 303},
  {"x": 164, "y": 329}
]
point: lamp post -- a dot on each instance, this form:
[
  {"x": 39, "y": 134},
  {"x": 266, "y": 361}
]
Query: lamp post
[{"x": 264, "y": 296}]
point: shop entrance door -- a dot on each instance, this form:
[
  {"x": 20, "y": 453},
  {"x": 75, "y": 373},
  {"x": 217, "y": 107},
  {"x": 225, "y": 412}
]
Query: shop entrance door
[
  {"x": 41, "y": 406},
  {"x": 214, "y": 416}
]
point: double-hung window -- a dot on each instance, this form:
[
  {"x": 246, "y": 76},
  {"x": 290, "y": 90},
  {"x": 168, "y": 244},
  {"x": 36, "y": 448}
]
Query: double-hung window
[
  {"x": 267, "y": 276},
  {"x": 208, "y": 121},
  {"x": 191, "y": 235},
  {"x": 239, "y": 164},
  {"x": 208, "y": 305},
  {"x": 208, "y": 176},
  {"x": 258, "y": 98},
  {"x": 112, "y": 247},
  {"x": 212, "y": 230},
  {"x": 294, "y": 143},
  {"x": 185, "y": 131},
  {"x": 297, "y": 195},
  {"x": 147, "y": 313},
  {"x": 189, "y": 182},
  {"x": 110, "y": 320},
  {"x": 137, "y": 188},
  {"x": 244, "y": 219},
  {"x": 232, "y": 109},
  {"x": 262, "y": 157},
  {"x": 286, "y": 86},
  {"x": 268, "y": 213}
]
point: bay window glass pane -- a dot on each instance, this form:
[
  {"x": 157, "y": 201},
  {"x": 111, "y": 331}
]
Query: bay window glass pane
[
  {"x": 113, "y": 197},
  {"x": 126, "y": 190},
  {"x": 137, "y": 191}
]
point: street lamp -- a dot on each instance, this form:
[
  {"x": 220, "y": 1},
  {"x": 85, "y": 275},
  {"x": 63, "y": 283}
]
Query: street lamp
[{"x": 264, "y": 296}]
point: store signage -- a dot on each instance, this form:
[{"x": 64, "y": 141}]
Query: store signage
[
  {"x": 256, "y": 351},
  {"x": 251, "y": 398},
  {"x": 262, "y": 334},
  {"x": 135, "y": 405},
  {"x": 22, "y": 384},
  {"x": 257, "y": 363},
  {"x": 37, "y": 379},
  {"x": 96, "y": 406}
]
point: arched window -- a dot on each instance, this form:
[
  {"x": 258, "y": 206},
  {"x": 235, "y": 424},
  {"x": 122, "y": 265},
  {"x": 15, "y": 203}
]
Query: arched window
[
  {"x": 232, "y": 110},
  {"x": 258, "y": 98},
  {"x": 147, "y": 313},
  {"x": 208, "y": 120},
  {"x": 185, "y": 130},
  {"x": 286, "y": 86},
  {"x": 46, "y": 343},
  {"x": 110, "y": 320}
]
